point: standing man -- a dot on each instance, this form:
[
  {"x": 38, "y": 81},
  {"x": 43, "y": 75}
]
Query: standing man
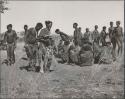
[
  {"x": 95, "y": 35},
  {"x": 77, "y": 34},
  {"x": 87, "y": 35},
  {"x": 113, "y": 39},
  {"x": 10, "y": 38},
  {"x": 103, "y": 36},
  {"x": 33, "y": 45},
  {"x": 119, "y": 36},
  {"x": 25, "y": 46},
  {"x": 80, "y": 36},
  {"x": 43, "y": 47},
  {"x": 111, "y": 30},
  {"x": 25, "y": 32}
]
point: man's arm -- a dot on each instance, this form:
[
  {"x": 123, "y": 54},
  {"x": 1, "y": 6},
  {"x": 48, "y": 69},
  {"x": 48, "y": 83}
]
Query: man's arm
[
  {"x": 92, "y": 35},
  {"x": 64, "y": 36},
  {"x": 5, "y": 37},
  {"x": 122, "y": 32},
  {"x": 110, "y": 33},
  {"x": 27, "y": 35},
  {"x": 15, "y": 38},
  {"x": 74, "y": 36}
]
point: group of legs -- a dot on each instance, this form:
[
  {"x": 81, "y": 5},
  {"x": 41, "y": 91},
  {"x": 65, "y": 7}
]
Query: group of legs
[
  {"x": 10, "y": 53},
  {"x": 38, "y": 56},
  {"x": 117, "y": 42}
]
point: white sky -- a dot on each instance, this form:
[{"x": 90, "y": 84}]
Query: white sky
[{"x": 63, "y": 14}]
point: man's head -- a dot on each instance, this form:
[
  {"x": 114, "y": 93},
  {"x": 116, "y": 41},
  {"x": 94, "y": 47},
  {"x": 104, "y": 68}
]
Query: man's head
[
  {"x": 61, "y": 41},
  {"x": 66, "y": 43},
  {"x": 80, "y": 29},
  {"x": 75, "y": 25},
  {"x": 25, "y": 27},
  {"x": 57, "y": 31},
  {"x": 48, "y": 24},
  {"x": 76, "y": 43},
  {"x": 104, "y": 28},
  {"x": 9, "y": 27},
  {"x": 118, "y": 23},
  {"x": 111, "y": 24},
  {"x": 87, "y": 29},
  {"x": 96, "y": 27},
  {"x": 38, "y": 26}
]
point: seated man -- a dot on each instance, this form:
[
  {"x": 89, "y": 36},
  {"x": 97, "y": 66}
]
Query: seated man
[
  {"x": 96, "y": 52},
  {"x": 60, "y": 48},
  {"x": 74, "y": 53},
  {"x": 106, "y": 54},
  {"x": 86, "y": 55},
  {"x": 65, "y": 52}
]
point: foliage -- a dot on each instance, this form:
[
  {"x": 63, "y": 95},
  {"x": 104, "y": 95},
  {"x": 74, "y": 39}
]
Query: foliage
[{"x": 2, "y": 6}]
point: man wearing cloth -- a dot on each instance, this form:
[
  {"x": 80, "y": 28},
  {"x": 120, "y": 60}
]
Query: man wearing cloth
[
  {"x": 25, "y": 46},
  {"x": 63, "y": 36},
  {"x": 42, "y": 46},
  {"x": 66, "y": 40},
  {"x": 95, "y": 35},
  {"x": 77, "y": 34},
  {"x": 32, "y": 44},
  {"x": 119, "y": 36},
  {"x": 113, "y": 39},
  {"x": 87, "y": 35},
  {"x": 25, "y": 32},
  {"x": 103, "y": 36},
  {"x": 10, "y": 38}
]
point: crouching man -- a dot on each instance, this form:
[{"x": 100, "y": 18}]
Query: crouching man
[{"x": 10, "y": 39}]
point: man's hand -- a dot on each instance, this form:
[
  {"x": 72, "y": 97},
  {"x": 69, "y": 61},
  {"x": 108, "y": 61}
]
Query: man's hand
[{"x": 15, "y": 45}]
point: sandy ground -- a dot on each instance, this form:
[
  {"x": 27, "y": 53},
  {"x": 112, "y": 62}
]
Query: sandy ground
[{"x": 65, "y": 81}]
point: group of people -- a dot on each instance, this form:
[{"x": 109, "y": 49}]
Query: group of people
[
  {"x": 91, "y": 46},
  {"x": 40, "y": 46}
]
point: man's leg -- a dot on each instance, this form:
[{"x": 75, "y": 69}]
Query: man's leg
[
  {"x": 27, "y": 51},
  {"x": 45, "y": 63},
  {"x": 40, "y": 60},
  {"x": 114, "y": 48},
  {"x": 30, "y": 55},
  {"x": 12, "y": 54},
  {"x": 35, "y": 55},
  {"x": 49, "y": 62},
  {"x": 8, "y": 54},
  {"x": 119, "y": 45}
]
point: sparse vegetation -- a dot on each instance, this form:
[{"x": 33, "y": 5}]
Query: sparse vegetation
[{"x": 65, "y": 81}]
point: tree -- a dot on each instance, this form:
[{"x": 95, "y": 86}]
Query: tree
[{"x": 2, "y": 6}]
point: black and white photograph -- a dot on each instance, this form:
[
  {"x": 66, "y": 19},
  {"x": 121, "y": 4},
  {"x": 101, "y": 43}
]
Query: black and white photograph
[{"x": 62, "y": 49}]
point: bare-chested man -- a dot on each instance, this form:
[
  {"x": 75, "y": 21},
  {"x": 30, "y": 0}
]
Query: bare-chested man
[
  {"x": 66, "y": 40},
  {"x": 25, "y": 46},
  {"x": 25, "y": 32},
  {"x": 31, "y": 40},
  {"x": 77, "y": 34},
  {"x": 87, "y": 35},
  {"x": 80, "y": 36},
  {"x": 10, "y": 38},
  {"x": 95, "y": 35},
  {"x": 113, "y": 39},
  {"x": 119, "y": 36},
  {"x": 43, "y": 46},
  {"x": 103, "y": 36},
  {"x": 63, "y": 36}
]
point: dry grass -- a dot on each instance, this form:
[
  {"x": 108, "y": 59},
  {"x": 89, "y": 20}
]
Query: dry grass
[{"x": 89, "y": 82}]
